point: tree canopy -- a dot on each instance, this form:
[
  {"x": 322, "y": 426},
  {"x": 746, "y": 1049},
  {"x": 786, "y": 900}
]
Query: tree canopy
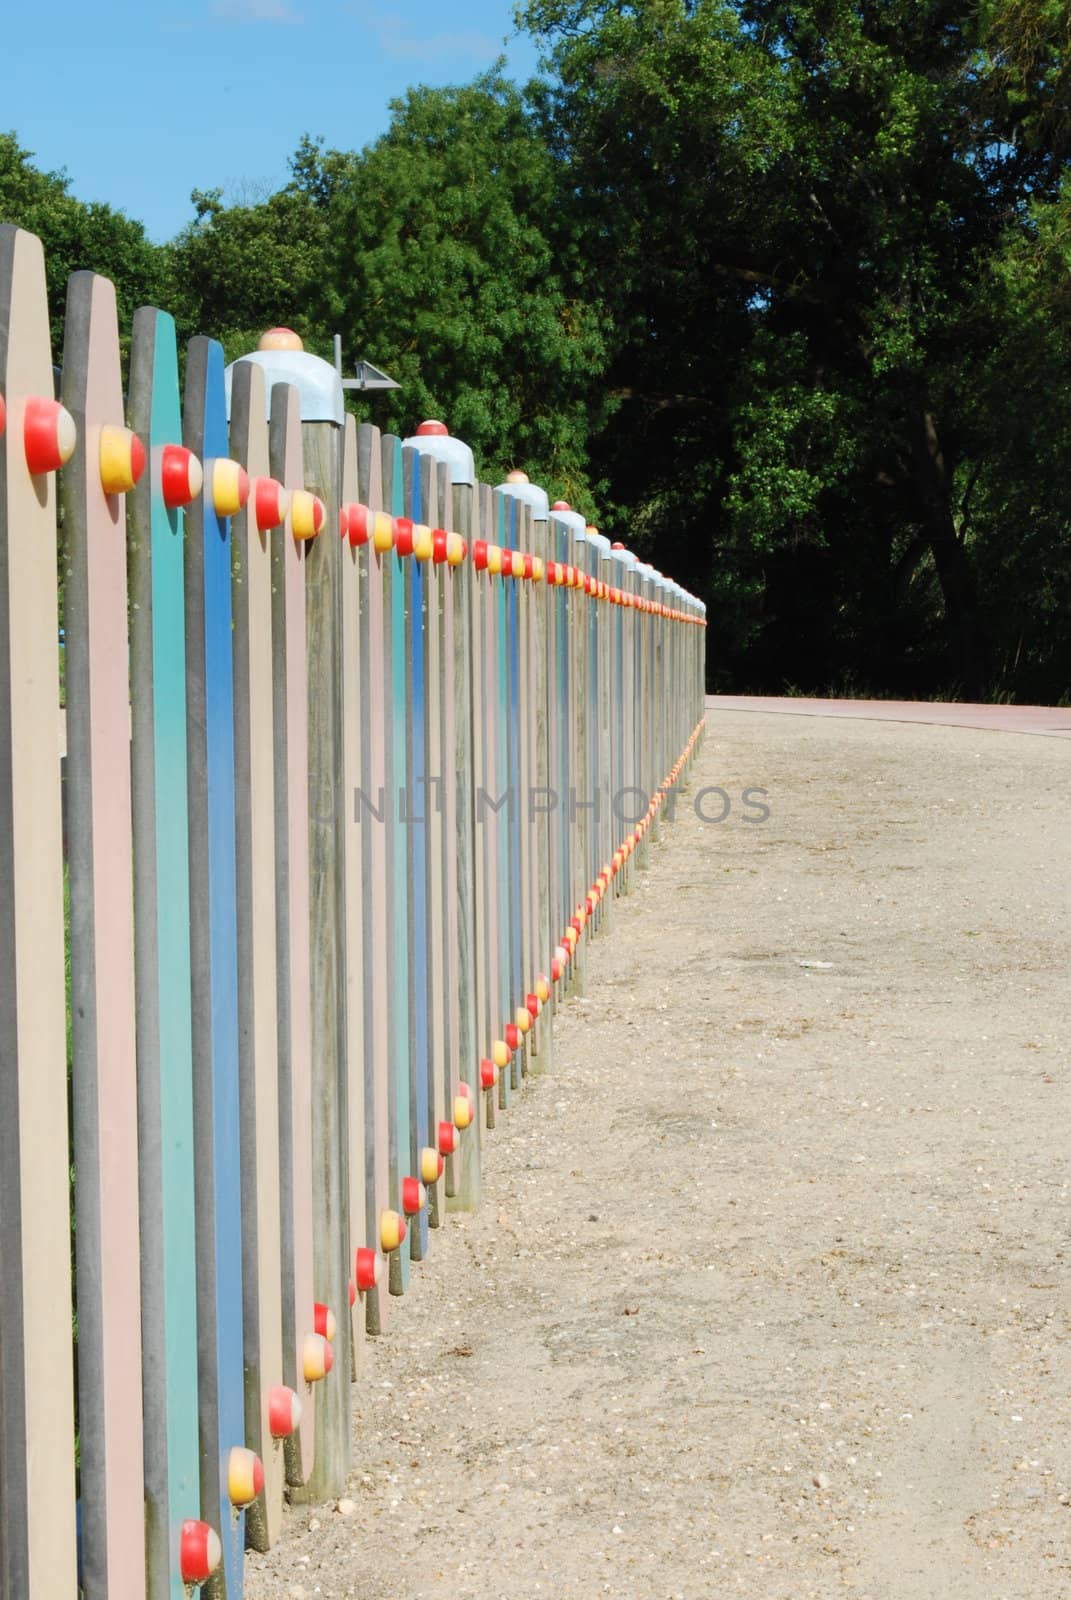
[
  {"x": 77, "y": 235},
  {"x": 837, "y": 237},
  {"x": 779, "y": 294}
]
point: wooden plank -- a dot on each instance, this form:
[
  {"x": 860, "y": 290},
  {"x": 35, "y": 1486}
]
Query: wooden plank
[
  {"x": 37, "y": 1510},
  {"x": 354, "y": 603},
  {"x": 258, "y": 1044},
  {"x": 618, "y": 780},
  {"x": 420, "y": 591},
  {"x": 162, "y": 964},
  {"x": 475, "y": 711},
  {"x": 437, "y": 1104},
  {"x": 582, "y": 771},
  {"x": 214, "y": 960},
  {"x": 498, "y": 801},
  {"x": 529, "y": 824},
  {"x": 323, "y": 619},
  {"x": 540, "y": 816},
  {"x": 290, "y": 726},
  {"x": 399, "y": 796},
  {"x": 555, "y": 900},
  {"x": 564, "y": 769},
  {"x": 451, "y": 1070},
  {"x": 100, "y": 859},
  {"x": 632, "y": 747},
  {"x": 520, "y": 853},
  {"x": 485, "y": 706},
  {"x": 449, "y": 1003},
  {"x": 459, "y": 743},
  {"x": 374, "y": 822},
  {"x": 515, "y": 855}
]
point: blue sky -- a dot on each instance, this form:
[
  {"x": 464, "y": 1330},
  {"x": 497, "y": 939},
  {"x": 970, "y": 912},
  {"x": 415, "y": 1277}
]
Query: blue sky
[{"x": 143, "y": 102}]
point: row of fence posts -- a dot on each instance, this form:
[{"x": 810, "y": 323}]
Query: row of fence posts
[{"x": 356, "y": 755}]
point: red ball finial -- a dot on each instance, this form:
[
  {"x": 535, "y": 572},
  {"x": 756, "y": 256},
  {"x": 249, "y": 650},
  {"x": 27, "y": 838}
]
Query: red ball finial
[{"x": 432, "y": 426}]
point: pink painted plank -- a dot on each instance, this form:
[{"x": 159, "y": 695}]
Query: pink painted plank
[
  {"x": 100, "y": 847},
  {"x": 37, "y": 1553}
]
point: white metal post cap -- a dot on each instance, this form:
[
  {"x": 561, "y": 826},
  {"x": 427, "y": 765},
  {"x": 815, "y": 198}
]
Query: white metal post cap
[{"x": 433, "y": 438}]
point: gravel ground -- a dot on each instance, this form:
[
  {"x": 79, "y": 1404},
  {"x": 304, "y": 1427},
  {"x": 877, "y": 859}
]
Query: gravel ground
[{"x": 768, "y": 1295}]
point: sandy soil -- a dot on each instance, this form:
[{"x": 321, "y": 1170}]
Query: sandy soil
[{"x": 769, "y": 1292}]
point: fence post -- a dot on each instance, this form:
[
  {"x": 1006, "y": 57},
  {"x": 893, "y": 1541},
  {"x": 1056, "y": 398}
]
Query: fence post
[
  {"x": 252, "y": 531},
  {"x": 541, "y": 799},
  {"x": 378, "y": 806},
  {"x": 37, "y": 1512},
  {"x": 480, "y": 710},
  {"x": 451, "y": 510},
  {"x": 425, "y": 1021},
  {"x": 100, "y": 861},
  {"x": 162, "y": 962},
  {"x": 399, "y": 798},
  {"x": 290, "y": 724},
  {"x": 322, "y": 440},
  {"x": 213, "y": 946},
  {"x": 356, "y": 884}
]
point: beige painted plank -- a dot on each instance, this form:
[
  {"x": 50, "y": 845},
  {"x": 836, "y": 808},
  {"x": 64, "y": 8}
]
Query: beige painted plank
[
  {"x": 353, "y": 601},
  {"x": 290, "y": 722},
  {"x": 258, "y": 1048},
  {"x": 37, "y": 1555}
]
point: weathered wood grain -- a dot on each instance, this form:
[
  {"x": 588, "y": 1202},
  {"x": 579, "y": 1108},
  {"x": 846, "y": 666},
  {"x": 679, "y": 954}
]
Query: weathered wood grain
[
  {"x": 100, "y": 865},
  {"x": 258, "y": 1043},
  {"x": 162, "y": 964},
  {"x": 37, "y": 1513},
  {"x": 290, "y": 726}
]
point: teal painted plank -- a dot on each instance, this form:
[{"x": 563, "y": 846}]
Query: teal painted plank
[{"x": 162, "y": 965}]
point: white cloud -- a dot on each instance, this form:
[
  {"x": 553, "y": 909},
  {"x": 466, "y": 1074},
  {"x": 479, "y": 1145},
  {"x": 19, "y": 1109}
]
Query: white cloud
[
  {"x": 397, "y": 37},
  {"x": 270, "y": 11}
]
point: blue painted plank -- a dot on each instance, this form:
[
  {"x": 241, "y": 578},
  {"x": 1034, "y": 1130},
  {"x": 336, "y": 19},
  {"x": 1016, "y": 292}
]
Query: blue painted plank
[{"x": 214, "y": 972}]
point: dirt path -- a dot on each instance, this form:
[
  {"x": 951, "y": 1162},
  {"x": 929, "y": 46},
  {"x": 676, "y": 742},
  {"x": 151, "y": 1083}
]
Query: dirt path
[{"x": 769, "y": 1292}]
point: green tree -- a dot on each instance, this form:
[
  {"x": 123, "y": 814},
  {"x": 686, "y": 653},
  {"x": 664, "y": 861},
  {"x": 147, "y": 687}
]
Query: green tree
[
  {"x": 816, "y": 224},
  {"x": 454, "y": 274},
  {"x": 239, "y": 269},
  {"x": 78, "y": 236},
  {"x": 438, "y": 254}
]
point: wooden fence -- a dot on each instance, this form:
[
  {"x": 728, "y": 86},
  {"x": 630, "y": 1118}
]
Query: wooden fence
[{"x": 356, "y": 755}]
